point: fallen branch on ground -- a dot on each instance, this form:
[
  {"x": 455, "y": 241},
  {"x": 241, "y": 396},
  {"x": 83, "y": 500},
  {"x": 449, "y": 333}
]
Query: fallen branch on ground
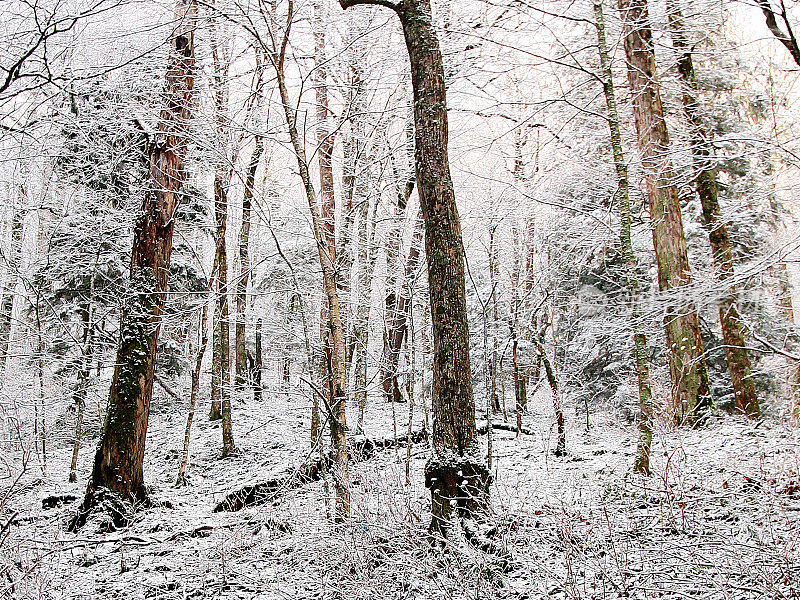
[{"x": 266, "y": 491}]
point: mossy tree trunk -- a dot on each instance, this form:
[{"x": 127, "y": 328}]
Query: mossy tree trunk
[
  {"x": 691, "y": 395},
  {"x": 706, "y": 184},
  {"x": 457, "y": 478},
  {"x": 642, "y": 461},
  {"x": 118, "y": 463}
]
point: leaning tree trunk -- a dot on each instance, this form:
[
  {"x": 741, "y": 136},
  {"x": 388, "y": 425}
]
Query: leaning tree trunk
[
  {"x": 454, "y": 473},
  {"x": 244, "y": 264},
  {"x": 691, "y": 394},
  {"x": 706, "y": 183},
  {"x": 561, "y": 443},
  {"x": 642, "y": 461},
  {"x": 120, "y": 454}
]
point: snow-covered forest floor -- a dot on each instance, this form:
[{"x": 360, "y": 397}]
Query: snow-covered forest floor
[{"x": 719, "y": 518}]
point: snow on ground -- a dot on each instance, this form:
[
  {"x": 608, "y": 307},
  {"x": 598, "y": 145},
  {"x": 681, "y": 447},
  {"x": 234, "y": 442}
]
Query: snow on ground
[{"x": 719, "y": 518}]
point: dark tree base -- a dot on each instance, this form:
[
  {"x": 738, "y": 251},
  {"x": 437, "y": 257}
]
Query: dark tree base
[
  {"x": 118, "y": 509},
  {"x": 215, "y": 414},
  {"x": 459, "y": 484}
]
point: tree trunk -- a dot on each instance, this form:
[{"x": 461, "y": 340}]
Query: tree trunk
[
  {"x": 221, "y": 364},
  {"x": 356, "y": 181},
  {"x": 561, "y": 444},
  {"x": 258, "y": 365},
  {"x": 327, "y": 199},
  {"x": 706, "y": 184},
  {"x": 120, "y": 454},
  {"x": 454, "y": 473},
  {"x": 394, "y": 317},
  {"x": 338, "y": 423},
  {"x": 366, "y": 265},
  {"x": 495, "y": 400},
  {"x": 517, "y": 387},
  {"x": 82, "y": 384},
  {"x": 520, "y": 399},
  {"x": 9, "y": 290},
  {"x": 202, "y": 331},
  {"x": 691, "y": 395},
  {"x": 244, "y": 264},
  {"x": 642, "y": 461},
  {"x": 397, "y": 330}
]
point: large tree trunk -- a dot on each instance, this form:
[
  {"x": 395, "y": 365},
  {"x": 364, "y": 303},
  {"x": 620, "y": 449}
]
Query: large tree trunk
[
  {"x": 120, "y": 454},
  {"x": 244, "y": 264},
  {"x": 691, "y": 395},
  {"x": 642, "y": 461},
  {"x": 454, "y": 473},
  {"x": 706, "y": 184},
  {"x": 327, "y": 199}
]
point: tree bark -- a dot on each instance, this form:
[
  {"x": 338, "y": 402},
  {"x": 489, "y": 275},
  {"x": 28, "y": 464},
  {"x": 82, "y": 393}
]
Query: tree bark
[
  {"x": 327, "y": 198},
  {"x": 120, "y": 454},
  {"x": 454, "y": 473},
  {"x": 642, "y": 461},
  {"x": 495, "y": 400},
  {"x": 691, "y": 395},
  {"x": 786, "y": 38},
  {"x": 706, "y": 184}
]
